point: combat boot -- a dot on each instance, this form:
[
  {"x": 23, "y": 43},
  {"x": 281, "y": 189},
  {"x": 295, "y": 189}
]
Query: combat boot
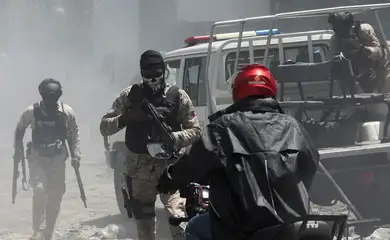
[{"x": 37, "y": 236}]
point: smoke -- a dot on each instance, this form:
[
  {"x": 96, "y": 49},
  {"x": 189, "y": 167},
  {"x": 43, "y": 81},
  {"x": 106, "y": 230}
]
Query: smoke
[
  {"x": 92, "y": 47},
  {"x": 91, "y": 51}
]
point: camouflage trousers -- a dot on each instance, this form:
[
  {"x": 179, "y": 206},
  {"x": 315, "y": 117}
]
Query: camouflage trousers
[
  {"x": 145, "y": 172},
  {"x": 47, "y": 179}
]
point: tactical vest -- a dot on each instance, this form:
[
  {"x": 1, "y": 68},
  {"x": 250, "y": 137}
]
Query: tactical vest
[
  {"x": 139, "y": 134},
  {"x": 48, "y": 128}
]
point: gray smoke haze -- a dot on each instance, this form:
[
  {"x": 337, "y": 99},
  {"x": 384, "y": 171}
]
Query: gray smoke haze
[
  {"x": 92, "y": 47},
  {"x": 86, "y": 45}
]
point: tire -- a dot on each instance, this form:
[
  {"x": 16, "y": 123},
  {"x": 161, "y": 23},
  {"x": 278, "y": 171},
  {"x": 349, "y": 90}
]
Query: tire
[
  {"x": 118, "y": 179},
  {"x": 322, "y": 192}
]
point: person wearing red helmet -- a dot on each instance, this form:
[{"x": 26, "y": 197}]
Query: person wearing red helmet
[{"x": 258, "y": 161}]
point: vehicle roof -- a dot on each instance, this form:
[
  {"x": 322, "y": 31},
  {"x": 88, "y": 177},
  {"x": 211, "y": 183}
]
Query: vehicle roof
[{"x": 203, "y": 47}]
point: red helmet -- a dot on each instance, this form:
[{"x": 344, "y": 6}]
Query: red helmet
[{"x": 253, "y": 80}]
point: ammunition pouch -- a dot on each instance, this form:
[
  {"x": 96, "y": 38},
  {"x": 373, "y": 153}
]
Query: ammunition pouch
[{"x": 49, "y": 150}]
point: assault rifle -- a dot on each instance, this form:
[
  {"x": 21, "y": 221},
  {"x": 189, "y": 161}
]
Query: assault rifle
[
  {"x": 81, "y": 188},
  {"x": 78, "y": 178},
  {"x": 19, "y": 157},
  {"x": 166, "y": 132}
]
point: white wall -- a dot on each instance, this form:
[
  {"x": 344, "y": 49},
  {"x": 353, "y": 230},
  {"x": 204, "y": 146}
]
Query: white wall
[{"x": 215, "y": 10}]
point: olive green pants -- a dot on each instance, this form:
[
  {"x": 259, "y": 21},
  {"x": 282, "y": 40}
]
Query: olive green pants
[
  {"x": 145, "y": 172},
  {"x": 47, "y": 179}
]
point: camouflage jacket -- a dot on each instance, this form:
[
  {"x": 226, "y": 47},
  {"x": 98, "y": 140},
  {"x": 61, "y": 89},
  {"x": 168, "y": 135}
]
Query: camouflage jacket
[
  {"x": 189, "y": 121},
  {"x": 28, "y": 120}
]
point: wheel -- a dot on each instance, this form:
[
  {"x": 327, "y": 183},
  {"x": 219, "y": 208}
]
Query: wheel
[{"x": 322, "y": 192}]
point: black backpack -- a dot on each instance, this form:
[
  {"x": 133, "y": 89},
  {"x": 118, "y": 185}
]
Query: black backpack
[{"x": 268, "y": 183}]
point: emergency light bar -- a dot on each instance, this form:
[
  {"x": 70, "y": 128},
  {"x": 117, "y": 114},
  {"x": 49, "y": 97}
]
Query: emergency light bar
[{"x": 191, "y": 41}]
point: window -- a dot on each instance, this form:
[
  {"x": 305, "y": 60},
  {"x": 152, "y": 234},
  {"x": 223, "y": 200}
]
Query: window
[
  {"x": 172, "y": 74},
  {"x": 194, "y": 80},
  {"x": 296, "y": 54}
]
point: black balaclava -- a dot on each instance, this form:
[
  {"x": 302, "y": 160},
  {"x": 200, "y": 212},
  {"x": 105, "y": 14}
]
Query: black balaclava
[
  {"x": 51, "y": 91},
  {"x": 342, "y": 24},
  {"x": 152, "y": 72}
]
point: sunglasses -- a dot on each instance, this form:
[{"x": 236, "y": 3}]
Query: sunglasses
[{"x": 153, "y": 73}]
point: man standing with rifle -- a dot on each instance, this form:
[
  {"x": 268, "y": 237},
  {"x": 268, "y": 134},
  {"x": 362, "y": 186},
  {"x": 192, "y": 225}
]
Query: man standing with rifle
[
  {"x": 131, "y": 111},
  {"x": 52, "y": 124}
]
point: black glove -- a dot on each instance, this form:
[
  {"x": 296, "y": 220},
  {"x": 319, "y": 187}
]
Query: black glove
[
  {"x": 136, "y": 114},
  {"x": 165, "y": 183},
  {"x": 136, "y": 95}
]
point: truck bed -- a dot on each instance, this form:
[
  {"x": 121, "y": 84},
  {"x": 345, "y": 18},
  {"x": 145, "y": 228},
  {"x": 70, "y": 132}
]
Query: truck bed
[{"x": 358, "y": 149}]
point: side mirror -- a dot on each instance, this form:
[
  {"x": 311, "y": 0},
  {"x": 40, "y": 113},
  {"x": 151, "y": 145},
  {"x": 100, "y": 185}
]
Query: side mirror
[{"x": 159, "y": 150}]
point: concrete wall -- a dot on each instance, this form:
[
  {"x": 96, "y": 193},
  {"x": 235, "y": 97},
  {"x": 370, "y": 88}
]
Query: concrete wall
[
  {"x": 215, "y": 10},
  {"x": 175, "y": 20}
]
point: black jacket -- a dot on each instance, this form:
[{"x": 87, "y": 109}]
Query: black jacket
[{"x": 259, "y": 121}]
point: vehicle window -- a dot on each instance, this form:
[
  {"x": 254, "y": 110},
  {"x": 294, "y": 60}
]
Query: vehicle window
[
  {"x": 296, "y": 54},
  {"x": 173, "y": 68},
  {"x": 194, "y": 80}
]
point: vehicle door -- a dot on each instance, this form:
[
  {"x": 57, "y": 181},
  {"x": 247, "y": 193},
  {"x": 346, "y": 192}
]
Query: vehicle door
[{"x": 194, "y": 84}]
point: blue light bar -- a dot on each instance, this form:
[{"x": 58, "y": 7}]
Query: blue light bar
[
  {"x": 266, "y": 31},
  {"x": 224, "y": 36}
]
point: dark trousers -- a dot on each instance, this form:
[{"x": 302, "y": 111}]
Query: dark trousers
[{"x": 199, "y": 228}]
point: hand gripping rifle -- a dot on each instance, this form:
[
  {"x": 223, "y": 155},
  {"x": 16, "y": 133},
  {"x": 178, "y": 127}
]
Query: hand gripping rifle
[{"x": 19, "y": 157}]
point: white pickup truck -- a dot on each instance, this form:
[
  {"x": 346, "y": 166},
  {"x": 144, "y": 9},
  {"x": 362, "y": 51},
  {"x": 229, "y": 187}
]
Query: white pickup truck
[{"x": 356, "y": 173}]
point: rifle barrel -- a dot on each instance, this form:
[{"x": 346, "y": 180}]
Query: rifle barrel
[{"x": 81, "y": 187}]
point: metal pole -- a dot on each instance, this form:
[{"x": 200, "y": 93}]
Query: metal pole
[
  {"x": 269, "y": 37},
  {"x": 239, "y": 45},
  {"x": 210, "y": 108},
  {"x": 342, "y": 194}
]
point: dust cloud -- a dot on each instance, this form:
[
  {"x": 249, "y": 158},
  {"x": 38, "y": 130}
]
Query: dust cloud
[
  {"x": 92, "y": 47},
  {"x": 89, "y": 46}
]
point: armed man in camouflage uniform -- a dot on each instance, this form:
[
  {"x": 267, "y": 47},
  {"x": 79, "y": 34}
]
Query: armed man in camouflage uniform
[
  {"x": 176, "y": 107},
  {"x": 358, "y": 42},
  {"x": 52, "y": 123}
]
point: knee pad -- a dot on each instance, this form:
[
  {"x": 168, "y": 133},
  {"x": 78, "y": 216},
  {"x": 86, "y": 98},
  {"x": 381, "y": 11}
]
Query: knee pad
[{"x": 143, "y": 210}]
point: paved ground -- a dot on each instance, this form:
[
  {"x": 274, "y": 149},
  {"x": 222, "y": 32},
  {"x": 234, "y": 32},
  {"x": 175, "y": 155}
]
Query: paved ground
[{"x": 75, "y": 222}]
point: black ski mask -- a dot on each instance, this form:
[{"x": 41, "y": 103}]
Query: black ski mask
[
  {"x": 342, "y": 24},
  {"x": 152, "y": 72},
  {"x": 51, "y": 91}
]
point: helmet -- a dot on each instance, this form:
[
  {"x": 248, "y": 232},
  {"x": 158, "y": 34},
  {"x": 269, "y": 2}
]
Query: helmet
[
  {"x": 253, "y": 80},
  {"x": 341, "y": 18},
  {"x": 341, "y": 23},
  {"x": 51, "y": 91},
  {"x": 50, "y": 86}
]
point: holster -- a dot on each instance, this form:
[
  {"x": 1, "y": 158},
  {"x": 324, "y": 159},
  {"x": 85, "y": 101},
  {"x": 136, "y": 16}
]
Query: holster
[
  {"x": 28, "y": 150},
  {"x": 110, "y": 157}
]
